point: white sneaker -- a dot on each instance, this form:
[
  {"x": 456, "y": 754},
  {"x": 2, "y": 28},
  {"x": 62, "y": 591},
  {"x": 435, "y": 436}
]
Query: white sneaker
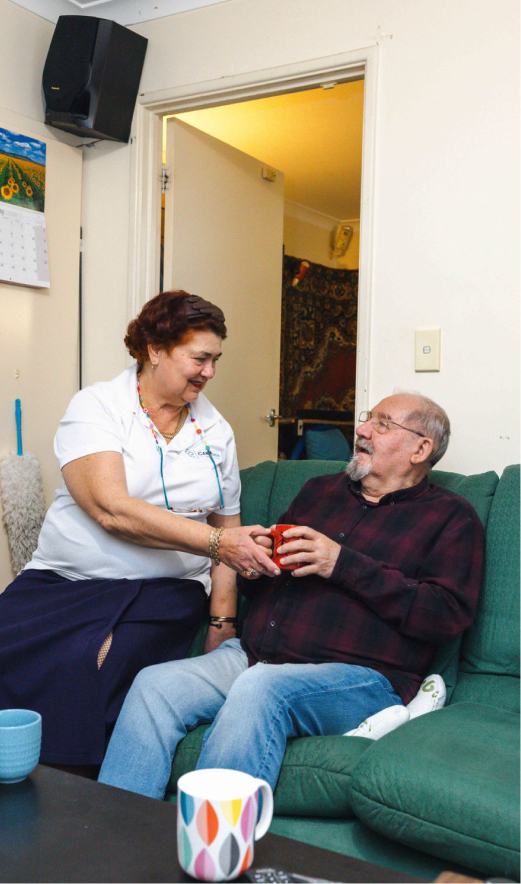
[
  {"x": 381, "y": 723},
  {"x": 430, "y": 697}
]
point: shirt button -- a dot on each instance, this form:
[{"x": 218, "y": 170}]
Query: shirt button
[
  {"x": 392, "y": 502},
  {"x": 341, "y": 534},
  {"x": 364, "y": 506},
  {"x": 272, "y": 623},
  {"x": 288, "y": 581}
]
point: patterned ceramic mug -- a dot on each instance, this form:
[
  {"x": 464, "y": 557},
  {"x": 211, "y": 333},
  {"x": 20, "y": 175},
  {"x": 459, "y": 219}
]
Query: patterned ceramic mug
[{"x": 217, "y": 822}]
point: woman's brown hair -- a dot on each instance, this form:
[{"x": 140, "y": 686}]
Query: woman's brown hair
[{"x": 165, "y": 320}]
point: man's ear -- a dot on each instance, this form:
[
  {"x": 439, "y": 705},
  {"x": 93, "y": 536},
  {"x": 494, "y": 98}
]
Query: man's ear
[{"x": 423, "y": 450}]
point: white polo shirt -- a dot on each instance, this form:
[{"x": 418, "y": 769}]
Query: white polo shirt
[{"x": 108, "y": 417}]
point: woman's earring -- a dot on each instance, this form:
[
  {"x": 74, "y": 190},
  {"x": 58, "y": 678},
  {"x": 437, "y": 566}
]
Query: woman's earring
[{"x": 154, "y": 365}]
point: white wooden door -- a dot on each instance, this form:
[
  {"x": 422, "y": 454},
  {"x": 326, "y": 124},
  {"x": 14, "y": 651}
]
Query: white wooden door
[{"x": 223, "y": 241}]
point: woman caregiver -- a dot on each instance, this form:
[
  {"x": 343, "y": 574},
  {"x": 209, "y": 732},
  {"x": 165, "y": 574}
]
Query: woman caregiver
[{"x": 145, "y": 526}]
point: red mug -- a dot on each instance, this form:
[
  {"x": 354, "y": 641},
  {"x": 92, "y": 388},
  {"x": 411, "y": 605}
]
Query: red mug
[{"x": 278, "y": 545}]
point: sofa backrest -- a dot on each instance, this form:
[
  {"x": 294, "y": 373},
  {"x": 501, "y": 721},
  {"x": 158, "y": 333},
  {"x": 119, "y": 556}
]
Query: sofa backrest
[
  {"x": 479, "y": 490},
  {"x": 268, "y": 488},
  {"x": 489, "y": 662}
]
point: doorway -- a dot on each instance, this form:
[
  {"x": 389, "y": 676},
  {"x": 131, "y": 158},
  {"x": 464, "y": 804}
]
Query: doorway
[
  {"x": 145, "y": 193},
  {"x": 315, "y": 138}
]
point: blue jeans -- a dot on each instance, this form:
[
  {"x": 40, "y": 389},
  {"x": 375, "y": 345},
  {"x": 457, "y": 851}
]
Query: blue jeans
[{"x": 254, "y": 712}]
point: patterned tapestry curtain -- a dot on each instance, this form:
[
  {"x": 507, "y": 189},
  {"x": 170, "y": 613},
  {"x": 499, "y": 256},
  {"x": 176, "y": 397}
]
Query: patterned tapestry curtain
[{"x": 318, "y": 338}]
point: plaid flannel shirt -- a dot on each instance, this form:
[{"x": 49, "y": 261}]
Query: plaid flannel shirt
[{"x": 406, "y": 580}]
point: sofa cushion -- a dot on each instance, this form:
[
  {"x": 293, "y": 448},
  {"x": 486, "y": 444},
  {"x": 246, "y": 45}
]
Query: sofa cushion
[
  {"x": 355, "y": 839},
  {"x": 479, "y": 491},
  {"x": 326, "y": 443},
  {"x": 269, "y": 488},
  {"x": 314, "y": 778},
  {"x": 448, "y": 784},
  {"x": 494, "y": 690},
  {"x": 256, "y": 485},
  {"x": 492, "y": 644},
  {"x": 187, "y": 753}
]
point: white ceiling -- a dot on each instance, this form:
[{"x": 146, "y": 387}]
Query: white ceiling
[
  {"x": 126, "y": 12},
  {"x": 314, "y": 137}
]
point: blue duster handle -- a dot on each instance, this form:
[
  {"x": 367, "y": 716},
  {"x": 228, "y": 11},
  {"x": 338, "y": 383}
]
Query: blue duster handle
[{"x": 18, "y": 412}]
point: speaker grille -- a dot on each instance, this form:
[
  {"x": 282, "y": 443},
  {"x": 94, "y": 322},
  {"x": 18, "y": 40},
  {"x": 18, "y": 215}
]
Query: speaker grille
[
  {"x": 91, "y": 77},
  {"x": 68, "y": 65}
]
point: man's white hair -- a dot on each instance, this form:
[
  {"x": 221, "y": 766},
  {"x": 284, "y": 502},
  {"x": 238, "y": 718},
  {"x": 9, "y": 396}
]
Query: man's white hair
[{"x": 431, "y": 420}]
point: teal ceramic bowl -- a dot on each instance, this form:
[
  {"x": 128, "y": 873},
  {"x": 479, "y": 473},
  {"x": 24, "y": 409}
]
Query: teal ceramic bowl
[{"x": 20, "y": 743}]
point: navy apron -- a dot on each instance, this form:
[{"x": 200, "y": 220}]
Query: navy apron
[{"x": 51, "y": 630}]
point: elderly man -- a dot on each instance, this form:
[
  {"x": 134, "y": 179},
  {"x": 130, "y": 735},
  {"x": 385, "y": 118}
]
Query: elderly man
[{"x": 388, "y": 567}]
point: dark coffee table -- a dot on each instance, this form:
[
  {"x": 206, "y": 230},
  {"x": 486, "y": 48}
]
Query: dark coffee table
[{"x": 56, "y": 827}]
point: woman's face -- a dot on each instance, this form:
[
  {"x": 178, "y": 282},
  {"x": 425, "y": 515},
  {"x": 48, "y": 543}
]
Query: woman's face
[{"x": 183, "y": 373}]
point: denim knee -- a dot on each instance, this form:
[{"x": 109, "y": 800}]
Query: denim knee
[
  {"x": 150, "y": 680},
  {"x": 261, "y": 683}
]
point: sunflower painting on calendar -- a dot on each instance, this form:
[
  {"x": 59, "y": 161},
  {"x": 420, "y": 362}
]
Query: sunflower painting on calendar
[{"x": 22, "y": 170}]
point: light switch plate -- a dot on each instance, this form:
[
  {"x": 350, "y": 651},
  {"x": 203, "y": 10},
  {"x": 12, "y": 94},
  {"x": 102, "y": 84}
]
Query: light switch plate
[{"x": 427, "y": 349}]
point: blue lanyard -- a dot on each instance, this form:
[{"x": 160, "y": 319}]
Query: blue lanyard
[
  {"x": 160, "y": 450},
  {"x": 216, "y": 476}
]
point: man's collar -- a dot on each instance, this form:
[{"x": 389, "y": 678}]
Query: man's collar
[{"x": 410, "y": 493}]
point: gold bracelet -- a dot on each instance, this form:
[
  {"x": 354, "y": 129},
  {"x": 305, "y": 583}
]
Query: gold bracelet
[
  {"x": 218, "y": 621},
  {"x": 213, "y": 546}
]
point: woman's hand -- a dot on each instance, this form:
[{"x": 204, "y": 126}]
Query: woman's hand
[
  {"x": 265, "y": 542},
  {"x": 313, "y": 552},
  {"x": 215, "y": 636},
  {"x": 245, "y": 549}
]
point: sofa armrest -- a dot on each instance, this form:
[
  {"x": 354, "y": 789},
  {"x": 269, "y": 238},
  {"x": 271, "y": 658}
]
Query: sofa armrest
[{"x": 447, "y": 783}]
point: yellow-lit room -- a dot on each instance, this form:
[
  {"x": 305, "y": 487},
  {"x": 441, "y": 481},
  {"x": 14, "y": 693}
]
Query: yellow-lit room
[
  {"x": 259, "y": 441},
  {"x": 312, "y": 140}
]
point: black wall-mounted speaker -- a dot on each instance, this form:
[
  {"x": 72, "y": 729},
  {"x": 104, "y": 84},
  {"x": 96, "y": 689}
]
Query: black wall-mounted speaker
[{"x": 91, "y": 77}]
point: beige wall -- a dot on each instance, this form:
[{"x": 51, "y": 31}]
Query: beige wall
[
  {"x": 25, "y": 41},
  {"x": 447, "y": 163},
  {"x": 39, "y": 327},
  {"x": 308, "y": 235},
  {"x": 106, "y": 178}
]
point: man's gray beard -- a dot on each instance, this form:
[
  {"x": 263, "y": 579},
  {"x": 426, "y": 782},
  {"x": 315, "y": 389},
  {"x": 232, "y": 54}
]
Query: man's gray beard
[{"x": 357, "y": 471}]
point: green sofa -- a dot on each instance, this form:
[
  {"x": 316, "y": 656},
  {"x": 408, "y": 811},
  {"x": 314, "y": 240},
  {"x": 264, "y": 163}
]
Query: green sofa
[{"x": 442, "y": 791}]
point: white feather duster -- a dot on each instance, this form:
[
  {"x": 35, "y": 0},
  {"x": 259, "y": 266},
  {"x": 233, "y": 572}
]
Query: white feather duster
[
  {"x": 23, "y": 502},
  {"x": 23, "y": 505}
]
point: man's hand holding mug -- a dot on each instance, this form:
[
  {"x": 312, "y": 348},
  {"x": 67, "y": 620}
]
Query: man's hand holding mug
[{"x": 304, "y": 551}]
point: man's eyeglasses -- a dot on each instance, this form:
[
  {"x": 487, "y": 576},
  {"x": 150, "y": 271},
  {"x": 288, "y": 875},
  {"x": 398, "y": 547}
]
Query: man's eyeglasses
[{"x": 381, "y": 423}]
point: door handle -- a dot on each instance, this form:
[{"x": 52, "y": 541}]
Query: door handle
[{"x": 272, "y": 417}]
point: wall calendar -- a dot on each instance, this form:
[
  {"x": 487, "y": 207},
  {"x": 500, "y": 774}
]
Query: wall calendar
[{"x": 23, "y": 236}]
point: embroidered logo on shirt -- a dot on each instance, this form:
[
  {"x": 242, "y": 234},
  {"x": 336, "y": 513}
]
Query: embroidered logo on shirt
[{"x": 203, "y": 453}]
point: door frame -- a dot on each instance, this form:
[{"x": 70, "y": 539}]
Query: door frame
[{"x": 146, "y": 163}]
